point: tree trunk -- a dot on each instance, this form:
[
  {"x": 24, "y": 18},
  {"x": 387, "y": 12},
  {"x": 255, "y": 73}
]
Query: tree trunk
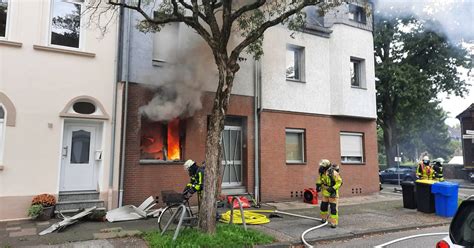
[
  {"x": 389, "y": 142},
  {"x": 207, "y": 212}
]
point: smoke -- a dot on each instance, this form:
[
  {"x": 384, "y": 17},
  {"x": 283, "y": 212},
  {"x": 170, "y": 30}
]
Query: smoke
[
  {"x": 188, "y": 71},
  {"x": 456, "y": 17}
]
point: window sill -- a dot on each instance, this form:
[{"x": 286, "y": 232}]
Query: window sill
[
  {"x": 63, "y": 50},
  {"x": 295, "y": 80},
  {"x": 295, "y": 163},
  {"x": 352, "y": 163},
  {"x": 159, "y": 162},
  {"x": 11, "y": 43},
  {"x": 357, "y": 87}
]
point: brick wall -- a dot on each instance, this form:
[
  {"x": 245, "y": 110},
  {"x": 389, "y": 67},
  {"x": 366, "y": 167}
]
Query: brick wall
[
  {"x": 322, "y": 139},
  {"x": 143, "y": 180}
]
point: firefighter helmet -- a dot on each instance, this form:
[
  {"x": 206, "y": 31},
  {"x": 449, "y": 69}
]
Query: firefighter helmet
[
  {"x": 324, "y": 163},
  {"x": 188, "y": 164},
  {"x": 440, "y": 160}
]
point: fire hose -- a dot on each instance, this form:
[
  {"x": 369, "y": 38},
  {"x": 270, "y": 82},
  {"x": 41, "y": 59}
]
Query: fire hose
[{"x": 254, "y": 217}]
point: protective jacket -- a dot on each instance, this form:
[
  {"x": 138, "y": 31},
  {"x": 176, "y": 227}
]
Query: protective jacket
[
  {"x": 424, "y": 171},
  {"x": 438, "y": 172},
  {"x": 330, "y": 179},
  {"x": 196, "y": 179}
]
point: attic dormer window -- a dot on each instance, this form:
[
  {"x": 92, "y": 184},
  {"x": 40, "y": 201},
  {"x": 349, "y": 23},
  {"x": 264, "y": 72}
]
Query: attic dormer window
[{"x": 357, "y": 14}]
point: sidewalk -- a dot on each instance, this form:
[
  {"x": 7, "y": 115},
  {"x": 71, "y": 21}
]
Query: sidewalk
[
  {"x": 462, "y": 183},
  {"x": 358, "y": 216}
]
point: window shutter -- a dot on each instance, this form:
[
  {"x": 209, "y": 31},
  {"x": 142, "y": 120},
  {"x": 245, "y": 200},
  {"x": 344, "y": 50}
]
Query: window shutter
[{"x": 351, "y": 145}]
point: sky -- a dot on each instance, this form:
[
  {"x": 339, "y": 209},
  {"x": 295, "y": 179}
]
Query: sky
[{"x": 456, "y": 18}]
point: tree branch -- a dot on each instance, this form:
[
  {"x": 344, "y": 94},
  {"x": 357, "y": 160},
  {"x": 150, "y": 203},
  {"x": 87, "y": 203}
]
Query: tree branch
[{"x": 248, "y": 7}]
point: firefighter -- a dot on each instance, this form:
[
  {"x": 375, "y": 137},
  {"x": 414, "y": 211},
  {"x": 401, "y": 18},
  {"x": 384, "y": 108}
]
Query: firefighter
[
  {"x": 329, "y": 182},
  {"x": 424, "y": 169},
  {"x": 196, "y": 175},
  {"x": 438, "y": 169}
]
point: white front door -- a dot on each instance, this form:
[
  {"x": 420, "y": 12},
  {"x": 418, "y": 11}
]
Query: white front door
[{"x": 77, "y": 158}]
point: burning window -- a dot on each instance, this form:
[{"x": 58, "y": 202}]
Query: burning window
[{"x": 162, "y": 140}]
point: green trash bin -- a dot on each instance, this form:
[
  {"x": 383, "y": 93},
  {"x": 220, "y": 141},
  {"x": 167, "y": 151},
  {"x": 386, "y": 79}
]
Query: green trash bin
[{"x": 425, "y": 200}]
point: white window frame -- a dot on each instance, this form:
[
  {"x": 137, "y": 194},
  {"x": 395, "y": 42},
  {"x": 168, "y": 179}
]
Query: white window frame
[
  {"x": 344, "y": 159},
  {"x": 81, "y": 29},
  {"x": 300, "y": 62},
  {"x": 303, "y": 144},
  {"x": 359, "y": 73},
  {"x": 7, "y": 25}
]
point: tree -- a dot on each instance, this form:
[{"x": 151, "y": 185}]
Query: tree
[
  {"x": 216, "y": 21},
  {"x": 413, "y": 64}
]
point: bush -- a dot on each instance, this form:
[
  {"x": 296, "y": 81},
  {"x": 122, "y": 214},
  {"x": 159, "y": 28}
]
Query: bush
[
  {"x": 35, "y": 210},
  {"x": 45, "y": 200}
]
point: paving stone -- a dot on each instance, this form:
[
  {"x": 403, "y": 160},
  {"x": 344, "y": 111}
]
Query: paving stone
[
  {"x": 121, "y": 234},
  {"x": 14, "y": 228},
  {"x": 23, "y": 232},
  {"x": 114, "y": 229},
  {"x": 44, "y": 223}
]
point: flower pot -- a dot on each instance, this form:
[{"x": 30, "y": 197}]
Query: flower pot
[{"x": 46, "y": 214}]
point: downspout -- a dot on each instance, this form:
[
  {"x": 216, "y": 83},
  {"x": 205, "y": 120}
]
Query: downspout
[
  {"x": 256, "y": 118},
  {"x": 114, "y": 110},
  {"x": 125, "y": 75}
]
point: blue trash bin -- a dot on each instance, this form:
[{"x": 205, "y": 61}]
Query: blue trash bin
[{"x": 446, "y": 198}]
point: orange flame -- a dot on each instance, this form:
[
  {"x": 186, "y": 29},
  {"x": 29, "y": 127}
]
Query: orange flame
[{"x": 173, "y": 140}]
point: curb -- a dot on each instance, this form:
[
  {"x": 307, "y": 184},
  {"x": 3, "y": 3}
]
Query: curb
[
  {"x": 352, "y": 235},
  {"x": 466, "y": 186}
]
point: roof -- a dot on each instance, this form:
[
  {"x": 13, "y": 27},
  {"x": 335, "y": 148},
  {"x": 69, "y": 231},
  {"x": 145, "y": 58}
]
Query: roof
[
  {"x": 467, "y": 112},
  {"x": 456, "y": 160}
]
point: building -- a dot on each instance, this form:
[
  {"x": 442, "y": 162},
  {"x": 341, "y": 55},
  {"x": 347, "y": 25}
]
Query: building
[
  {"x": 311, "y": 96},
  {"x": 58, "y": 97}
]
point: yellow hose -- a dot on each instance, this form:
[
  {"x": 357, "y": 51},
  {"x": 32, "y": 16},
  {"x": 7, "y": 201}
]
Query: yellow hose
[{"x": 252, "y": 217}]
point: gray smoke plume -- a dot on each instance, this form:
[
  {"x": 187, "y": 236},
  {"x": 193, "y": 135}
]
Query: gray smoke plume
[
  {"x": 187, "y": 73},
  {"x": 456, "y": 17}
]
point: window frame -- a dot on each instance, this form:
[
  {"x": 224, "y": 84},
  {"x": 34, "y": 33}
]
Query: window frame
[
  {"x": 3, "y": 122},
  {"x": 81, "y": 28},
  {"x": 362, "y": 140},
  {"x": 300, "y": 62},
  {"x": 303, "y": 145},
  {"x": 7, "y": 24},
  {"x": 359, "y": 13},
  {"x": 359, "y": 72},
  {"x": 182, "y": 141}
]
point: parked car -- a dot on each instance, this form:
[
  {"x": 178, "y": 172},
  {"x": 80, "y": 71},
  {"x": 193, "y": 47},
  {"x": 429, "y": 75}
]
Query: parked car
[
  {"x": 461, "y": 230},
  {"x": 390, "y": 175}
]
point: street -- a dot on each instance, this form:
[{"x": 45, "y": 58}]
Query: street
[
  {"x": 373, "y": 240},
  {"x": 389, "y": 189}
]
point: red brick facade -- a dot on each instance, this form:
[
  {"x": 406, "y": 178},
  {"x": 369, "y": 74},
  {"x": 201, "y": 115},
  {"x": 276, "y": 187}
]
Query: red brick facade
[
  {"x": 322, "y": 140},
  {"x": 278, "y": 179},
  {"x": 143, "y": 180}
]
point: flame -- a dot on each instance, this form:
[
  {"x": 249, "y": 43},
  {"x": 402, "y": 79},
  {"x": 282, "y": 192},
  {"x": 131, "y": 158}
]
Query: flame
[
  {"x": 151, "y": 143},
  {"x": 173, "y": 140}
]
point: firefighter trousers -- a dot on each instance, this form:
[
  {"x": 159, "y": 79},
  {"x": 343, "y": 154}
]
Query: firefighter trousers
[{"x": 330, "y": 203}]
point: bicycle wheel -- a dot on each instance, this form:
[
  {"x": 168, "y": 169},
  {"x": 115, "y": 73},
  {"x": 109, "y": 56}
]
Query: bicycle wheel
[{"x": 171, "y": 215}]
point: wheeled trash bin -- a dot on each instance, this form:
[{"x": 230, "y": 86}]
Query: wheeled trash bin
[
  {"x": 446, "y": 198},
  {"x": 408, "y": 189},
  {"x": 424, "y": 198}
]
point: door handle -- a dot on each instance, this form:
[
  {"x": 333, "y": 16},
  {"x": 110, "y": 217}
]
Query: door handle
[{"x": 64, "y": 152}]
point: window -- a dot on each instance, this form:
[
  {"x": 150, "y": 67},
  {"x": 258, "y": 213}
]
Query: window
[
  {"x": 294, "y": 63},
  {"x": 3, "y": 18},
  {"x": 162, "y": 140},
  {"x": 357, "y": 13},
  {"x": 66, "y": 23},
  {"x": 356, "y": 69},
  {"x": 295, "y": 146},
  {"x": 352, "y": 148},
  {"x": 85, "y": 108}
]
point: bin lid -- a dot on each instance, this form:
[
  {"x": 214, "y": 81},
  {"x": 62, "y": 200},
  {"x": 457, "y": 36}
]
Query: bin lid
[
  {"x": 445, "y": 185},
  {"x": 426, "y": 181},
  {"x": 446, "y": 188},
  {"x": 411, "y": 183}
]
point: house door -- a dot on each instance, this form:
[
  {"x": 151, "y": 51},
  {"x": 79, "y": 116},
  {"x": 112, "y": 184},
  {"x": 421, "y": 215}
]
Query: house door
[
  {"x": 232, "y": 156},
  {"x": 77, "y": 157}
]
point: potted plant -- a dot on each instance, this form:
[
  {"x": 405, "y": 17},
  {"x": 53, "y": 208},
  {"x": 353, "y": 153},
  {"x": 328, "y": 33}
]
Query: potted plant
[{"x": 42, "y": 207}]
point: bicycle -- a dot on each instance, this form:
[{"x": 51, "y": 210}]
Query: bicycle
[{"x": 170, "y": 217}]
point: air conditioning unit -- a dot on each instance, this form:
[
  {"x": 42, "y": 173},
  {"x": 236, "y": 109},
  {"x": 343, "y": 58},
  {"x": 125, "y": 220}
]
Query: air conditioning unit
[{"x": 310, "y": 196}]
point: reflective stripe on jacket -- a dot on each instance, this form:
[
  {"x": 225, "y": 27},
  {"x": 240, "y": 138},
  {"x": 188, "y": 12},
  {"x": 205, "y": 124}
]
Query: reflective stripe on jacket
[
  {"x": 325, "y": 181},
  {"x": 196, "y": 181}
]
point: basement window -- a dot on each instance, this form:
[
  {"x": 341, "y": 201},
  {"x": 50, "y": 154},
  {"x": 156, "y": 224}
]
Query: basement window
[
  {"x": 295, "y": 146},
  {"x": 352, "y": 148},
  {"x": 161, "y": 141}
]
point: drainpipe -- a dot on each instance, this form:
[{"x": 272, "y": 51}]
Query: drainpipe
[
  {"x": 256, "y": 118},
  {"x": 118, "y": 76},
  {"x": 125, "y": 75}
]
